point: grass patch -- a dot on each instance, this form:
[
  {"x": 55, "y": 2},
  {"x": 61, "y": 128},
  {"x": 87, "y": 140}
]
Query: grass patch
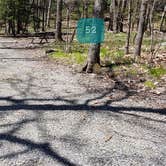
[
  {"x": 157, "y": 72},
  {"x": 150, "y": 84},
  {"x": 104, "y": 52},
  {"x": 59, "y": 54},
  {"x": 147, "y": 42},
  {"x": 77, "y": 57},
  {"x": 112, "y": 51},
  {"x": 115, "y": 40},
  {"x": 131, "y": 72},
  {"x": 71, "y": 58},
  {"x": 78, "y": 53}
]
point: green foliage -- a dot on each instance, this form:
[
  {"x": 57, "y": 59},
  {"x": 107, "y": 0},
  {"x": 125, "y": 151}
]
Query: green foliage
[
  {"x": 59, "y": 54},
  {"x": 74, "y": 57},
  {"x": 78, "y": 57},
  {"x": 104, "y": 52},
  {"x": 157, "y": 72},
  {"x": 150, "y": 84},
  {"x": 16, "y": 13}
]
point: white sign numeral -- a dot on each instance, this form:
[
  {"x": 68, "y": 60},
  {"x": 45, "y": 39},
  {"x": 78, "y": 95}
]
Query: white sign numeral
[
  {"x": 90, "y": 29},
  {"x": 93, "y": 29}
]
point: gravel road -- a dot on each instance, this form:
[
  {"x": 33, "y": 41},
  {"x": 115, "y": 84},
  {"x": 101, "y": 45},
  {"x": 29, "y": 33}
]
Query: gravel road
[{"x": 53, "y": 116}]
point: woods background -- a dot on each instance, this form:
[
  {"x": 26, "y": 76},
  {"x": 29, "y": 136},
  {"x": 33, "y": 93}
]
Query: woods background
[{"x": 132, "y": 18}]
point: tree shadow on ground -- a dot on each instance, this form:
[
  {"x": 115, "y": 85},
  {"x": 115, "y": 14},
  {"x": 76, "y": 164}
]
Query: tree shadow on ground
[
  {"x": 42, "y": 147},
  {"x": 69, "y": 105},
  {"x": 75, "y": 107}
]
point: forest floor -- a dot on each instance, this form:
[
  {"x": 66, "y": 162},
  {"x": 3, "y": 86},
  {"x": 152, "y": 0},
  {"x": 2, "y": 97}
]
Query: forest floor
[{"x": 52, "y": 115}]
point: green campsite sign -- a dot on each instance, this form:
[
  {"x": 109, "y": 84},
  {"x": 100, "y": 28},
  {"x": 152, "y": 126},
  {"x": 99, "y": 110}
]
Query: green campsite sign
[{"x": 90, "y": 30}]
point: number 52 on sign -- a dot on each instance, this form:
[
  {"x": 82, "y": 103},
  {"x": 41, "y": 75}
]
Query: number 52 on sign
[{"x": 90, "y": 30}]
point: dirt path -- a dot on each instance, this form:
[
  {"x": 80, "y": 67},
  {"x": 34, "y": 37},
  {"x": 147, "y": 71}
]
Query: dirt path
[{"x": 51, "y": 116}]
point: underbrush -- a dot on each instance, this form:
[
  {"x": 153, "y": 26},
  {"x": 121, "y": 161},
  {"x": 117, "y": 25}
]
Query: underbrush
[{"x": 113, "y": 56}]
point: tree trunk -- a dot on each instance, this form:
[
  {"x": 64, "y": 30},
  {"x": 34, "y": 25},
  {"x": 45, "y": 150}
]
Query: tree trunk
[
  {"x": 115, "y": 15},
  {"x": 85, "y": 9},
  {"x": 67, "y": 49},
  {"x": 58, "y": 34},
  {"x": 94, "y": 50},
  {"x": 136, "y": 8},
  {"x": 48, "y": 13},
  {"x": 147, "y": 18},
  {"x": 118, "y": 10},
  {"x": 43, "y": 15},
  {"x": 110, "y": 26},
  {"x": 163, "y": 18},
  {"x": 151, "y": 26},
  {"x": 129, "y": 26},
  {"x": 122, "y": 7},
  {"x": 141, "y": 28}
]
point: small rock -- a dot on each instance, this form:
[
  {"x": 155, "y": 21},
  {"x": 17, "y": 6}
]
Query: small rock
[{"x": 142, "y": 79}]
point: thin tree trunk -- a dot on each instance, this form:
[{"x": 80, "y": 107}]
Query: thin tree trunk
[
  {"x": 147, "y": 19},
  {"x": 121, "y": 14},
  {"x": 43, "y": 13},
  {"x": 141, "y": 28},
  {"x": 135, "y": 13},
  {"x": 38, "y": 16},
  {"x": 151, "y": 28},
  {"x": 110, "y": 26},
  {"x": 115, "y": 15},
  {"x": 163, "y": 18},
  {"x": 129, "y": 27},
  {"x": 67, "y": 49},
  {"x": 85, "y": 9},
  {"x": 48, "y": 13},
  {"x": 58, "y": 34}
]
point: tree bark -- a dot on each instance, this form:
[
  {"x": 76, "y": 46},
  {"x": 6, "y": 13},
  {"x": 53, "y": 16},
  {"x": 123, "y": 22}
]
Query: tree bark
[
  {"x": 85, "y": 9},
  {"x": 163, "y": 18},
  {"x": 110, "y": 26},
  {"x": 121, "y": 14},
  {"x": 136, "y": 8},
  {"x": 147, "y": 18},
  {"x": 67, "y": 49},
  {"x": 141, "y": 28},
  {"x": 43, "y": 15},
  {"x": 94, "y": 50},
  {"x": 115, "y": 15},
  {"x": 48, "y": 13},
  {"x": 129, "y": 26},
  {"x": 151, "y": 27},
  {"x": 58, "y": 34}
]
